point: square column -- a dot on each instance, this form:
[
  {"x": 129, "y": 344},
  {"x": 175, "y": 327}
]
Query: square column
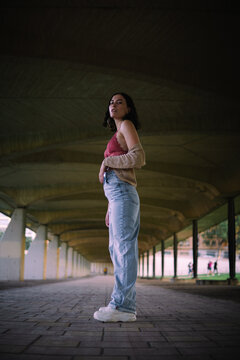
[
  {"x": 69, "y": 262},
  {"x": 78, "y": 265},
  {"x": 36, "y": 258},
  {"x": 12, "y": 246},
  {"x": 52, "y": 258},
  {"x": 147, "y": 263},
  {"x": 62, "y": 260},
  {"x": 195, "y": 248},
  {"x": 162, "y": 250},
  {"x": 154, "y": 261},
  {"x": 175, "y": 245},
  {"x": 231, "y": 239},
  {"x": 75, "y": 254}
]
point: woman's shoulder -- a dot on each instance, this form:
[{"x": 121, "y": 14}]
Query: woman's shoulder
[{"x": 127, "y": 125}]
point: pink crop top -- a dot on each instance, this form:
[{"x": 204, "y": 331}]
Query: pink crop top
[{"x": 114, "y": 148}]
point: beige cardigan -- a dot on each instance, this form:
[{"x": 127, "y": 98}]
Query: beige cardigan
[{"x": 124, "y": 165}]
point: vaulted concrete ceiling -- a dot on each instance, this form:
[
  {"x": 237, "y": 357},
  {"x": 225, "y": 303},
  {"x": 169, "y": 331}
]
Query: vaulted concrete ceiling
[{"x": 61, "y": 61}]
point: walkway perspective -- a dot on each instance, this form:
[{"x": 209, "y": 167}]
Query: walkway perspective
[{"x": 54, "y": 321}]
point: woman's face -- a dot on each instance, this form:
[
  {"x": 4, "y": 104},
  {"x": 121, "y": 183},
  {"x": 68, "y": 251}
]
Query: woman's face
[{"x": 118, "y": 107}]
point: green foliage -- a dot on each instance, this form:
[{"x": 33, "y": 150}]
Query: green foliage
[
  {"x": 220, "y": 233},
  {"x": 28, "y": 242}
]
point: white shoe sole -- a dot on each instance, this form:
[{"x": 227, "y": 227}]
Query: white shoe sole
[
  {"x": 114, "y": 316},
  {"x": 106, "y": 308}
]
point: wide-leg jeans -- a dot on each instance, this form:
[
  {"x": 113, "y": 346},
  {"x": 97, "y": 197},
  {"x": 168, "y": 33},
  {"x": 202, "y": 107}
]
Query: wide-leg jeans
[{"x": 124, "y": 223}]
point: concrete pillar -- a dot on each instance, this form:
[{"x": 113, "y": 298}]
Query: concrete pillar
[
  {"x": 78, "y": 264},
  {"x": 231, "y": 239},
  {"x": 58, "y": 255},
  {"x": 147, "y": 263},
  {"x": 195, "y": 248},
  {"x": 175, "y": 245},
  {"x": 52, "y": 258},
  {"x": 36, "y": 258},
  {"x": 12, "y": 246},
  {"x": 62, "y": 260},
  {"x": 139, "y": 265},
  {"x": 162, "y": 250},
  {"x": 75, "y": 255},
  {"x": 154, "y": 261},
  {"x": 69, "y": 262},
  {"x": 143, "y": 265}
]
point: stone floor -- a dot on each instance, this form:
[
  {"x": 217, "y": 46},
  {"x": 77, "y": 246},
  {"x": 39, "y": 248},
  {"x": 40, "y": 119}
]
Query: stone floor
[{"x": 54, "y": 321}]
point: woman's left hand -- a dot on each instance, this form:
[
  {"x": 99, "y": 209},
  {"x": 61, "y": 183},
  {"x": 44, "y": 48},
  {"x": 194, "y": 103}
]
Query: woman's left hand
[{"x": 101, "y": 173}]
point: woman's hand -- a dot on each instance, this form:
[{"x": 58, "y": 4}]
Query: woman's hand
[
  {"x": 107, "y": 219},
  {"x": 101, "y": 173}
]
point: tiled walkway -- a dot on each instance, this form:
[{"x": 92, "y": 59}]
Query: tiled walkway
[{"x": 54, "y": 321}]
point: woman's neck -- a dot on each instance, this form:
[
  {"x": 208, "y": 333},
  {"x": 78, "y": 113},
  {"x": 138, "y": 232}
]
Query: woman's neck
[{"x": 118, "y": 123}]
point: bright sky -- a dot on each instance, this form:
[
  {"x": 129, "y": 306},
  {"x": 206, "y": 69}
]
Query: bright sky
[{"x": 4, "y": 221}]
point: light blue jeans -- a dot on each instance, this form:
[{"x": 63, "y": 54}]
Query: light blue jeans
[{"x": 124, "y": 223}]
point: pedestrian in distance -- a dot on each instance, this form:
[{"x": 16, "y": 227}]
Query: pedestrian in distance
[
  {"x": 215, "y": 268},
  {"x": 209, "y": 268},
  {"x": 123, "y": 154},
  {"x": 190, "y": 268}
]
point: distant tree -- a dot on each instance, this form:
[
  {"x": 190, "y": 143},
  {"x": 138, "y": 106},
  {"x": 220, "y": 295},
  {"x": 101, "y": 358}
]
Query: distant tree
[
  {"x": 220, "y": 234},
  {"x": 28, "y": 242}
]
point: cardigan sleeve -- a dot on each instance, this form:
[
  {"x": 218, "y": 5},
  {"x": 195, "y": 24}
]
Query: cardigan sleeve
[{"x": 135, "y": 158}]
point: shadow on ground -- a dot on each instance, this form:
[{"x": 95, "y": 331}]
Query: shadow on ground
[{"x": 224, "y": 292}]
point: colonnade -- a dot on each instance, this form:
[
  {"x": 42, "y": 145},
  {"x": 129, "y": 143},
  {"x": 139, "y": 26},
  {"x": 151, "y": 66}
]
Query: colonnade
[
  {"x": 46, "y": 259},
  {"x": 145, "y": 270},
  {"x": 56, "y": 260}
]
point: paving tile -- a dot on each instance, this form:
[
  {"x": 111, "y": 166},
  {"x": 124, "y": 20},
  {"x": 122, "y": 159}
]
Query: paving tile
[
  {"x": 8, "y": 339},
  {"x": 187, "y": 338},
  {"x": 33, "y": 357},
  {"x": 60, "y": 341},
  {"x": 58, "y": 350},
  {"x": 11, "y": 348},
  {"x": 82, "y": 333},
  {"x": 143, "y": 352},
  {"x": 101, "y": 357}
]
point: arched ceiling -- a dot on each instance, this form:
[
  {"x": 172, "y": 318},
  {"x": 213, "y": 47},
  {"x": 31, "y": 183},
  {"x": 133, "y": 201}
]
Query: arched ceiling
[{"x": 60, "y": 61}]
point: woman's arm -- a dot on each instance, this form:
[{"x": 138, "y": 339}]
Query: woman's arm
[
  {"x": 135, "y": 158},
  {"x": 101, "y": 172},
  {"x": 129, "y": 133}
]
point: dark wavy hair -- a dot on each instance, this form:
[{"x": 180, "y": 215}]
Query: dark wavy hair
[{"x": 131, "y": 115}]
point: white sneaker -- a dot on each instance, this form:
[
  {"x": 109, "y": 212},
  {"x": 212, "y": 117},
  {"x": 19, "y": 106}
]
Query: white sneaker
[
  {"x": 113, "y": 315},
  {"x": 104, "y": 308}
]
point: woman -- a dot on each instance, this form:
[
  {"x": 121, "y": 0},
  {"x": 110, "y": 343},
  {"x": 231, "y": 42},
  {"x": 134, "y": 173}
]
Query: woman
[{"x": 123, "y": 153}]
